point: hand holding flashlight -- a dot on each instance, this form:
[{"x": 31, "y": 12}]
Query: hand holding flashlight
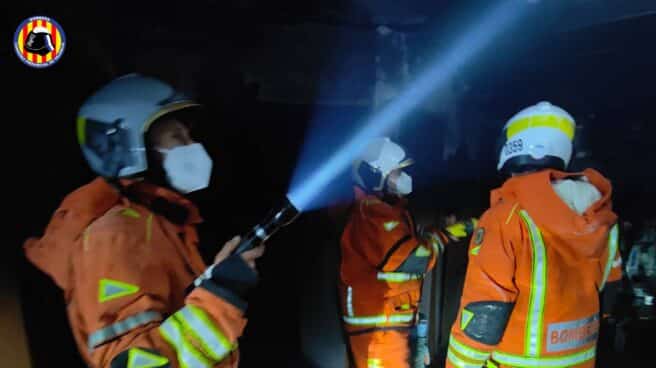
[{"x": 249, "y": 256}]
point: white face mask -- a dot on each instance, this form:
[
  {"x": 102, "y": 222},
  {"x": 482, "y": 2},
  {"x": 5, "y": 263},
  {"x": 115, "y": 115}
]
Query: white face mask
[
  {"x": 402, "y": 185},
  {"x": 188, "y": 168}
]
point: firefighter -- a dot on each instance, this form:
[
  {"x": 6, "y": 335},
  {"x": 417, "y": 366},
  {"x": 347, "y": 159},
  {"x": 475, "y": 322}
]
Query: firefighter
[
  {"x": 123, "y": 248},
  {"x": 384, "y": 260},
  {"x": 540, "y": 256}
]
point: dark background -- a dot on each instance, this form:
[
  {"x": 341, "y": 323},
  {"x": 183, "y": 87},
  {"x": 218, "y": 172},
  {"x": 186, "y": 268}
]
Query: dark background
[{"x": 268, "y": 73}]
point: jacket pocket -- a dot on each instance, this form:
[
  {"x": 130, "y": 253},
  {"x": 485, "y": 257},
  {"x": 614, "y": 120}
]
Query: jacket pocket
[{"x": 405, "y": 302}]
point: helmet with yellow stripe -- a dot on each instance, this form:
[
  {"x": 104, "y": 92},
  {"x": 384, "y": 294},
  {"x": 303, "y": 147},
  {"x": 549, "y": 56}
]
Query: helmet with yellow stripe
[
  {"x": 540, "y": 136},
  {"x": 112, "y": 122}
]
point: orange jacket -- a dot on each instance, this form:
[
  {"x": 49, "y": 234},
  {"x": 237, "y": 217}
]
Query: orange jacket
[
  {"x": 536, "y": 268},
  {"x": 124, "y": 270},
  {"x": 383, "y": 264}
]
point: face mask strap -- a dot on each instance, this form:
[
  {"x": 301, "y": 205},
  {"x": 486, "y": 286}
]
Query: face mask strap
[{"x": 167, "y": 150}]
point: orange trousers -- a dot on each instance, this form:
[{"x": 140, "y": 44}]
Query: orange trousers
[{"x": 380, "y": 349}]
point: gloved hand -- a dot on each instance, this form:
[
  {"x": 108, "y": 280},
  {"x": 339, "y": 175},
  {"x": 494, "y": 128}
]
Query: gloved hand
[
  {"x": 422, "y": 360},
  {"x": 421, "y": 352},
  {"x": 461, "y": 230},
  {"x": 249, "y": 257},
  {"x": 232, "y": 276}
]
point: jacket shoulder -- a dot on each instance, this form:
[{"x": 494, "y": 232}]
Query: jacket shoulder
[
  {"x": 121, "y": 218},
  {"x": 501, "y": 213},
  {"x": 372, "y": 207}
]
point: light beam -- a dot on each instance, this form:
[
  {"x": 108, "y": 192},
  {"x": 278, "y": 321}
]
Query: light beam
[{"x": 305, "y": 191}]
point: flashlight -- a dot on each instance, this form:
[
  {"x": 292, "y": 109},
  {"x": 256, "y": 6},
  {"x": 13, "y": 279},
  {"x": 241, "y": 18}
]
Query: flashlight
[{"x": 271, "y": 224}]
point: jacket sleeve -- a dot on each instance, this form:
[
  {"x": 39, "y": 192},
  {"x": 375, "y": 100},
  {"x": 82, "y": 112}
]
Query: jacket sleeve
[
  {"x": 124, "y": 293},
  {"x": 612, "y": 258},
  {"x": 440, "y": 238},
  {"x": 488, "y": 296},
  {"x": 385, "y": 238},
  {"x": 611, "y": 268}
]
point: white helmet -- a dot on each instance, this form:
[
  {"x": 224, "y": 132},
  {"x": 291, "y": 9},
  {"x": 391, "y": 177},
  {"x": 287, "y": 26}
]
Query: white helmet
[
  {"x": 540, "y": 136},
  {"x": 379, "y": 159},
  {"x": 112, "y": 122}
]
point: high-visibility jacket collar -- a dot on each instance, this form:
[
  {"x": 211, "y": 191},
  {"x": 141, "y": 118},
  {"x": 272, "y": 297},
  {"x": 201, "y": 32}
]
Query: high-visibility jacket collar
[
  {"x": 149, "y": 194},
  {"x": 361, "y": 194}
]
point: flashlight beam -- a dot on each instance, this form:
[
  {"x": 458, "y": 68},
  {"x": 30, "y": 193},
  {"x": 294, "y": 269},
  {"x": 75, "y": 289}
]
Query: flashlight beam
[{"x": 444, "y": 66}]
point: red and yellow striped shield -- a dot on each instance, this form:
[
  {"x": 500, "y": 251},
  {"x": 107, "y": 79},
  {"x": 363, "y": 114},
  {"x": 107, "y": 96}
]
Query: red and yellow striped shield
[{"x": 53, "y": 41}]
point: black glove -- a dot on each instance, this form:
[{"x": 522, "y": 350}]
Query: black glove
[{"x": 231, "y": 280}]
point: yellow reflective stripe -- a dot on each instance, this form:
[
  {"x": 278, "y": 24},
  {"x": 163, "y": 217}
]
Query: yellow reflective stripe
[
  {"x": 401, "y": 318},
  {"x": 149, "y": 228},
  {"x": 541, "y": 121},
  {"x": 422, "y": 251},
  {"x": 214, "y": 343},
  {"x": 81, "y": 130},
  {"x": 138, "y": 358},
  {"x": 374, "y": 363},
  {"x": 466, "y": 351},
  {"x": 397, "y": 276},
  {"x": 534, "y": 322},
  {"x": 512, "y": 211},
  {"x": 491, "y": 364},
  {"x": 188, "y": 356},
  {"x": 119, "y": 328},
  {"x": 391, "y": 225},
  {"x": 379, "y": 320},
  {"x": 458, "y": 230},
  {"x": 467, "y": 317},
  {"x": 561, "y": 361},
  {"x": 349, "y": 301},
  {"x": 109, "y": 289},
  {"x": 461, "y": 363},
  {"x": 85, "y": 239},
  {"x": 373, "y": 320},
  {"x": 130, "y": 212},
  {"x": 612, "y": 251}
]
